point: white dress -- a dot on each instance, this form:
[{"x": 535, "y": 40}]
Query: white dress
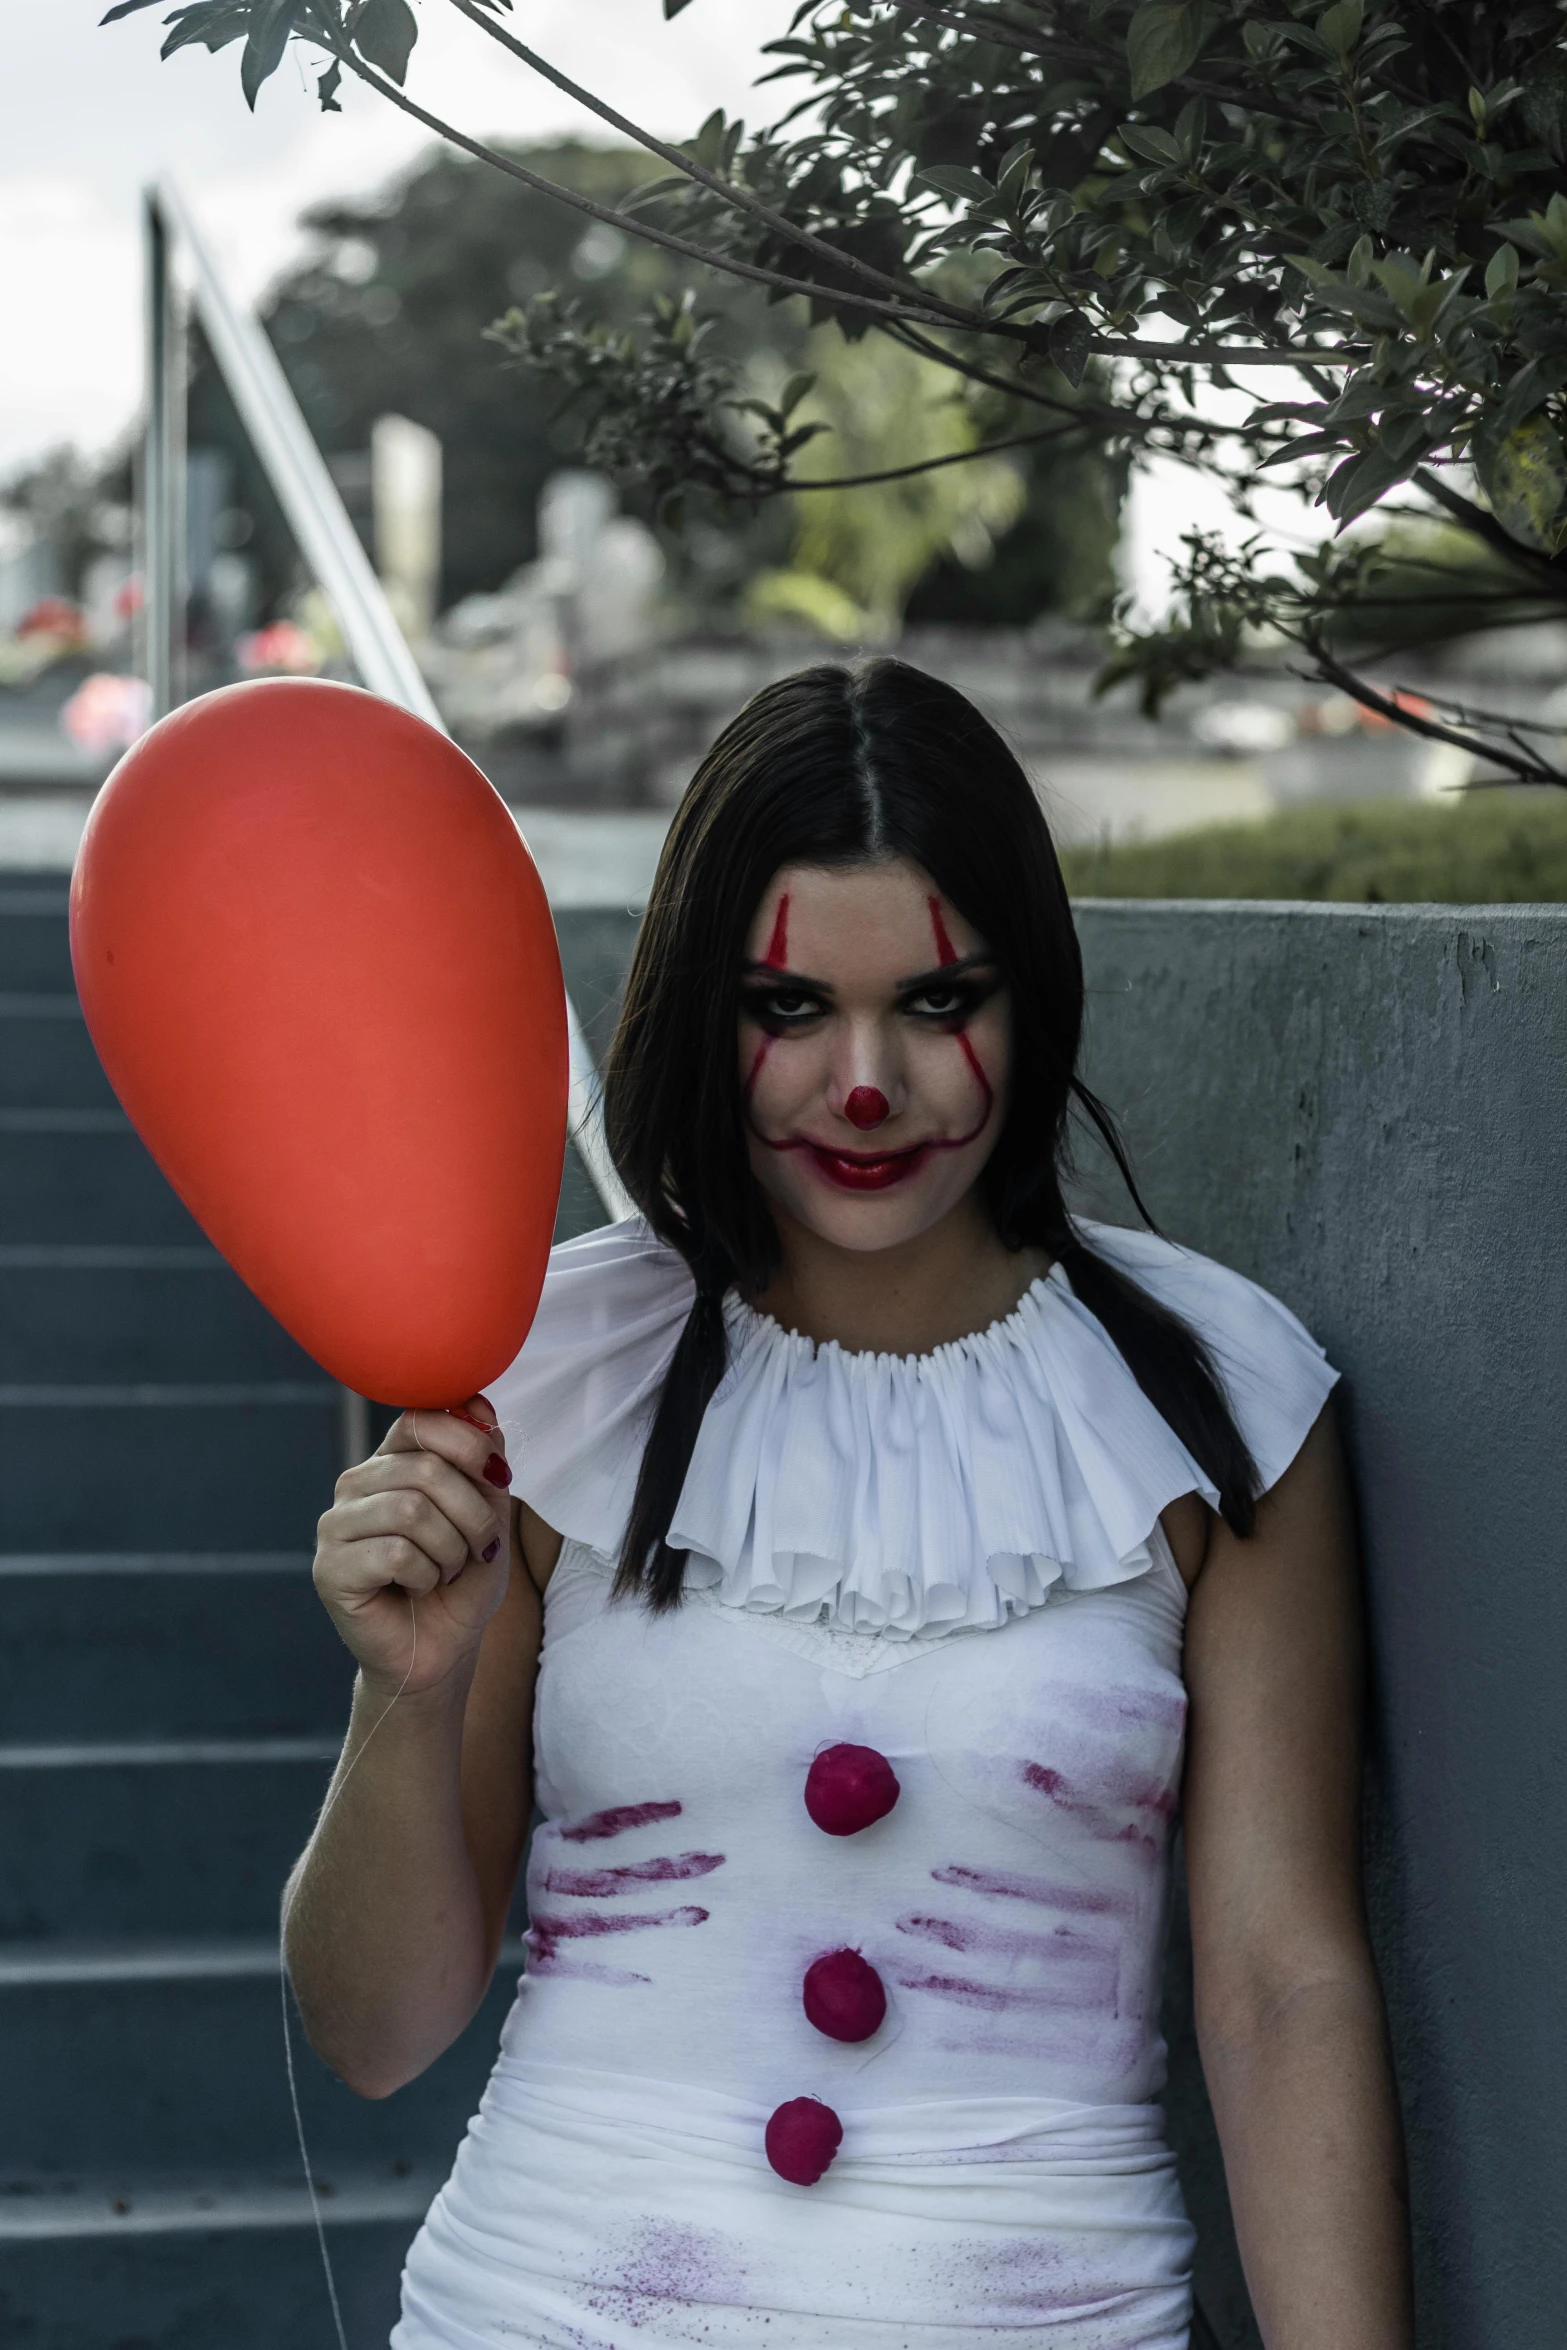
[{"x": 954, "y": 1559}]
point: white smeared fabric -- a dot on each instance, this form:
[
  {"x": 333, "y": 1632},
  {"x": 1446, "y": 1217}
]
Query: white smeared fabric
[{"x": 910, "y": 1495}]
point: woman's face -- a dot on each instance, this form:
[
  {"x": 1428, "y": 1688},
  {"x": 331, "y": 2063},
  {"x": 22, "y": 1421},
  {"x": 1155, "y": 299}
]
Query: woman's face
[{"x": 875, "y": 1041}]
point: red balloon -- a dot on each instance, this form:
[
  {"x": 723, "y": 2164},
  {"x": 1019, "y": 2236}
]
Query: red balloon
[{"x": 319, "y": 967}]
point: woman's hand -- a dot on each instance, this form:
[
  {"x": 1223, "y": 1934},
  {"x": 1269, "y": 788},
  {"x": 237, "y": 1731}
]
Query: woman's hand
[{"x": 412, "y": 1557}]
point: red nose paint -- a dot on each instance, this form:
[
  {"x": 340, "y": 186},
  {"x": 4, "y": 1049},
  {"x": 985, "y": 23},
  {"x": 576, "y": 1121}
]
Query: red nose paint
[
  {"x": 802, "y": 2138},
  {"x": 867, "y": 1106},
  {"x": 848, "y": 1788},
  {"x": 844, "y": 1996}
]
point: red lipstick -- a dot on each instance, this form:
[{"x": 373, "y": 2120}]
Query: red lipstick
[{"x": 867, "y": 1170}]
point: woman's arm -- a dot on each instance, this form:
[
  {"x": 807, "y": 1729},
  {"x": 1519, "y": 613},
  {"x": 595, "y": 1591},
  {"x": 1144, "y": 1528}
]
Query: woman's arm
[
  {"x": 1289, "y": 2011},
  {"x": 395, "y": 1912}
]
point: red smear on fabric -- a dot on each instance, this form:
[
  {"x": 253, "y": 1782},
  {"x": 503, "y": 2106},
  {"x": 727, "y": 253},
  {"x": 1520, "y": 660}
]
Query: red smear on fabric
[
  {"x": 618, "y": 1819},
  {"x": 802, "y": 2138},
  {"x": 844, "y": 1996},
  {"x": 848, "y": 1788},
  {"x": 602, "y": 1884},
  {"x": 777, "y": 955},
  {"x": 1081, "y": 1899},
  {"x": 545, "y": 1934},
  {"x": 867, "y": 1106}
]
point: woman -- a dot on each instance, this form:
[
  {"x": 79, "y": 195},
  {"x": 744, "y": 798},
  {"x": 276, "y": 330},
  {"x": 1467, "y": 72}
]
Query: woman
[{"x": 876, "y": 1524}]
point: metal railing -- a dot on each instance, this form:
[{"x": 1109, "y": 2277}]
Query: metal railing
[{"x": 309, "y": 499}]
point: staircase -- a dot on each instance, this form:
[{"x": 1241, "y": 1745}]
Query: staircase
[{"x": 171, "y": 1699}]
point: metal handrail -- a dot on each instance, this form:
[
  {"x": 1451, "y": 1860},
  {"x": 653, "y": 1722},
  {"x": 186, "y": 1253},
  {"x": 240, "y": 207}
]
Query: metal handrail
[{"x": 314, "y": 510}]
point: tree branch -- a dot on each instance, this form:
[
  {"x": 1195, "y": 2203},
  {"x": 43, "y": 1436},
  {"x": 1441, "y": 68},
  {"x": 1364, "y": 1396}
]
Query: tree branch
[
  {"x": 740, "y": 199},
  {"x": 1519, "y": 763},
  {"x": 855, "y": 481},
  {"x": 1547, "y": 568},
  {"x": 726, "y": 264}
]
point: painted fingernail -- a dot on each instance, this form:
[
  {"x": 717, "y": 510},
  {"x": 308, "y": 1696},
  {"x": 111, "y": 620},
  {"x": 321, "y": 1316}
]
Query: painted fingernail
[
  {"x": 496, "y": 1471},
  {"x": 491, "y": 1551}
]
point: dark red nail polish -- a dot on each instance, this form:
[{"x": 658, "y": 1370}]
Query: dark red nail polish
[
  {"x": 496, "y": 1471},
  {"x": 491, "y": 1551}
]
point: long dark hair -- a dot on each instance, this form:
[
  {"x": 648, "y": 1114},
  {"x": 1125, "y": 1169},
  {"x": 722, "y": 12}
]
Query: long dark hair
[{"x": 834, "y": 767}]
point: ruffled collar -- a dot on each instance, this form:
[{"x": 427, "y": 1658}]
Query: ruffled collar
[
  {"x": 915, "y": 1495},
  {"x": 905, "y": 1495}
]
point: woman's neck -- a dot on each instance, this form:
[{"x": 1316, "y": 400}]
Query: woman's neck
[{"x": 945, "y": 1284}]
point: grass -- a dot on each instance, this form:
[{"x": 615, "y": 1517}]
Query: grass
[{"x": 1488, "y": 847}]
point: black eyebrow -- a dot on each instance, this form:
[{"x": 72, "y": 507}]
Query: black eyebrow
[
  {"x": 939, "y": 975},
  {"x": 782, "y": 978},
  {"x": 944, "y": 973}
]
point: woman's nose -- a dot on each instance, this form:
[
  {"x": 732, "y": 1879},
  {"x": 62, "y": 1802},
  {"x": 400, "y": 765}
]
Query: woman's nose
[{"x": 867, "y": 1106}]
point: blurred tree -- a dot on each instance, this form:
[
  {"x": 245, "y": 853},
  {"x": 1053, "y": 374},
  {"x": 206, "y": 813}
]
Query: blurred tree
[
  {"x": 393, "y": 309},
  {"x": 1370, "y": 194},
  {"x": 390, "y": 311}
]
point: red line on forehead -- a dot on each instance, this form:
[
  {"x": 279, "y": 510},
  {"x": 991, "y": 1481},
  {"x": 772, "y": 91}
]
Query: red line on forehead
[
  {"x": 946, "y": 952},
  {"x": 777, "y": 955}
]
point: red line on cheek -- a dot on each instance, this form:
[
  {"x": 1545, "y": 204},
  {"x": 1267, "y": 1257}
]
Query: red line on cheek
[
  {"x": 777, "y": 955},
  {"x": 946, "y": 952},
  {"x": 975, "y": 1064},
  {"x": 755, "y": 1070}
]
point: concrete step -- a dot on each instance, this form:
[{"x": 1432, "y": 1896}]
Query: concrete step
[
  {"x": 47, "y": 1059},
  {"x": 220, "y": 2263},
  {"x": 170, "y": 2058},
  {"x": 180, "y": 1836},
  {"x": 126, "y": 1645},
  {"x": 35, "y": 947},
  {"x": 63, "y": 1320},
  {"x": 65, "y": 1184},
  {"x": 242, "y": 1465}
]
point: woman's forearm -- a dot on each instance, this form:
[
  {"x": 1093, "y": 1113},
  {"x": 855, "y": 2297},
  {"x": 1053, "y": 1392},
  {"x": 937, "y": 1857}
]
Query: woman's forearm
[
  {"x": 1302, "y": 2091},
  {"x": 384, "y": 1925}
]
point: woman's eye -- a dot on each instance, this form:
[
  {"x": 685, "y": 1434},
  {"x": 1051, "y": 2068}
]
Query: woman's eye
[
  {"x": 782, "y": 1007},
  {"x": 946, "y": 1004}
]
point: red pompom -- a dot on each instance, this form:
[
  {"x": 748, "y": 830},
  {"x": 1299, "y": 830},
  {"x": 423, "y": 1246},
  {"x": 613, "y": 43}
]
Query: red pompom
[
  {"x": 844, "y": 1996},
  {"x": 847, "y": 1787},
  {"x": 802, "y": 2138}
]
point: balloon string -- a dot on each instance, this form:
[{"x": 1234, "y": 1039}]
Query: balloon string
[{"x": 285, "y": 1986}]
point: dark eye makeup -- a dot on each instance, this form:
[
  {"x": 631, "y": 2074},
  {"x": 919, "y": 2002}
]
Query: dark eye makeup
[{"x": 785, "y": 1007}]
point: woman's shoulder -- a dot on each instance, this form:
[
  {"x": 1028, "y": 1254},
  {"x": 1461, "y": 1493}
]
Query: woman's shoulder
[
  {"x": 575, "y": 1404},
  {"x": 1275, "y": 1375}
]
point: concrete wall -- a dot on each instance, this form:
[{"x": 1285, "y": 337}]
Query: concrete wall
[{"x": 1366, "y": 1109}]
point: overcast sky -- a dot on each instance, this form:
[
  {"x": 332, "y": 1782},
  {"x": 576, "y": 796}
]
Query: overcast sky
[{"x": 88, "y": 115}]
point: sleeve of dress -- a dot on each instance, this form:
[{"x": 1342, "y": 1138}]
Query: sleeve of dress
[
  {"x": 1275, "y": 1375},
  {"x": 576, "y": 1404}
]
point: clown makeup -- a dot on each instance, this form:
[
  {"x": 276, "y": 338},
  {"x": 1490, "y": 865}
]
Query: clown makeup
[{"x": 874, "y": 1045}]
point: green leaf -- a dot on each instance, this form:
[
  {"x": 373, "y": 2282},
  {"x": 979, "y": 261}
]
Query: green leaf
[
  {"x": 1525, "y": 478},
  {"x": 794, "y": 391},
  {"x": 673, "y": 7},
  {"x": 385, "y": 33},
  {"x": 126, "y": 8},
  {"x": 1162, "y": 42},
  {"x": 1340, "y": 27},
  {"x": 955, "y": 179},
  {"x": 327, "y": 87},
  {"x": 270, "y": 26},
  {"x": 1152, "y": 144},
  {"x": 1067, "y": 343},
  {"x": 1501, "y": 271}
]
